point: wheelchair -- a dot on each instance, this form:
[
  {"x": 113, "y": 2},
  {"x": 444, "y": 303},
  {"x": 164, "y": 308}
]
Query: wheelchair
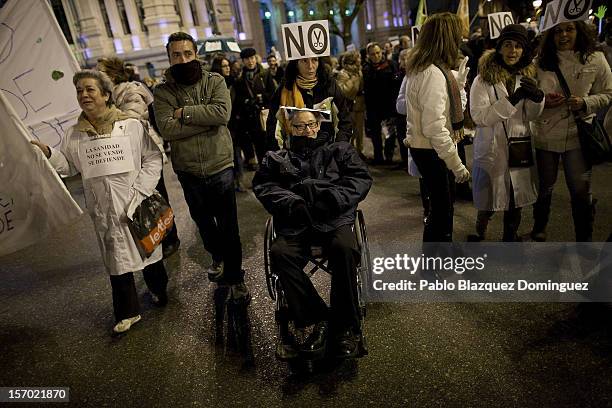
[{"x": 317, "y": 261}]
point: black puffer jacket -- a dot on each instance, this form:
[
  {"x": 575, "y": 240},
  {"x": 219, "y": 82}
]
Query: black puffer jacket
[
  {"x": 320, "y": 92},
  {"x": 331, "y": 173}
]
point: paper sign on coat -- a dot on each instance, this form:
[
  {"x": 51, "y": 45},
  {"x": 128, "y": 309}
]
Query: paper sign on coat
[{"x": 106, "y": 156}]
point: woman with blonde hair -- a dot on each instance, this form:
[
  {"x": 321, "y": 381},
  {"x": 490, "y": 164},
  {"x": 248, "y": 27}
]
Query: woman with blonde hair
[{"x": 435, "y": 119}]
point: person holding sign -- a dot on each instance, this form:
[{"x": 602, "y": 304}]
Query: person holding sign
[
  {"x": 567, "y": 55},
  {"x": 435, "y": 118},
  {"x": 312, "y": 187},
  {"x": 503, "y": 99},
  {"x": 120, "y": 166}
]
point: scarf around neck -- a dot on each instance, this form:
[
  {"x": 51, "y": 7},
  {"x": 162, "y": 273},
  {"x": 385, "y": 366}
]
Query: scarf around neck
[
  {"x": 104, "y": 126},
  {"x": 456, "y": 111}
]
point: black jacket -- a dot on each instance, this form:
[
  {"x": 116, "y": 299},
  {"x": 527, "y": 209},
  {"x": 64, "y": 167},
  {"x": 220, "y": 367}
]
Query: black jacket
[
  {"x": 330, "y": 180},
  {"x": 380, "y": 87},
  {"x": 249, "y": 99},
  {"x": 320, "y": 92}
]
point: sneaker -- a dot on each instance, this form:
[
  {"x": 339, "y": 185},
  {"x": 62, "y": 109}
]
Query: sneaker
[
  {"x": 215, "y": 271},
  {"x": 239, "y": 294},
  {"x": 126, "y": 324}
]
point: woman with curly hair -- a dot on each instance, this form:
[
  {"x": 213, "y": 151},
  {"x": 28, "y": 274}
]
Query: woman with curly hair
[{"x": 568, "y": 51}]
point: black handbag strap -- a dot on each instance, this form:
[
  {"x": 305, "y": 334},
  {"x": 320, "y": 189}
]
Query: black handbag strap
[{"x": 565, "y": 89}]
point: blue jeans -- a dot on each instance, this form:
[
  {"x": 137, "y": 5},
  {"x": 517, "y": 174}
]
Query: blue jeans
[
  {"x": 578, "y": 179},
  {"x": 212, "y": 205}
]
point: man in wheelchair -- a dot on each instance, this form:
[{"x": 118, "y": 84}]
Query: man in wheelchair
[{"x": 312, "y": 187}]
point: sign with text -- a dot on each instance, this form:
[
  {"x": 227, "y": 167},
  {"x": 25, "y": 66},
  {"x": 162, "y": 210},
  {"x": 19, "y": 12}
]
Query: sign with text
[
  {"x": 106, "y": 156},
  {"x": 560, "y": 11},
  {"x": 308, "y": 39},
  {"x": 497, "y": 21},
  {"x": 415, "y": 33},
  {"x": 33, "y": 200},
  {"x": 37, "y": 66}
]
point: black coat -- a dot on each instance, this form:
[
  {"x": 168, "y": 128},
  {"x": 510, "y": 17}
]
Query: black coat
[
  {"x": 333, "y": 174},
  {"x": 320, "y": 92},
  {"x": 380, "y": 87},
  {"x": 249, "y": 98}
]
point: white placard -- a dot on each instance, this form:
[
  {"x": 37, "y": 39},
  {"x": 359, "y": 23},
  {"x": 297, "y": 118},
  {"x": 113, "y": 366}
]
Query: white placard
[
  {"x": 106, "y": 156},
  {"x": 233, "y": 46},
  {"x": 415, "y": 33},
  {"x": 497, "y": 21},
  {"x": 37, "y": 66},
  {"x": 560, "y": 11},
  {"x": 308, "y": 39},
  {"x": 212, "y": 46}
]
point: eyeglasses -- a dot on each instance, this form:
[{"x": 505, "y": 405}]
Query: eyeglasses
[{"x": 301, "y": 127}]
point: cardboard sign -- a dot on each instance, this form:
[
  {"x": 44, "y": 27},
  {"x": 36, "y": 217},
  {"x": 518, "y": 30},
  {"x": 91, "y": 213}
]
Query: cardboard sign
[
  {"x": 415, "y": 33},
  {"x": 497, "y": 21},
  {"x": 106, "y": 156},
  {"x": 306, "y": 40},
  {"x": 560, "y": 11}
]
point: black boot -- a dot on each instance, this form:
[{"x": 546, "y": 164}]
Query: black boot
[
  {"x": 541, "y": 214},
  {"x": 583, "y": 213},
  {"x": 316, "y": 342}
]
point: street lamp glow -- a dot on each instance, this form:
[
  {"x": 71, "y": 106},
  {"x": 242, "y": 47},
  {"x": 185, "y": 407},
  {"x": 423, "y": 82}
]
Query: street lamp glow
[
  {"x": 311, "y": 12},
  {"x": 331, "y": 12},
  {"x": 347, "y": 12},
  {"x": 537, "y": 3},
  {"x": 290, "y": 13},
  {"x": 267, "y": 14}
]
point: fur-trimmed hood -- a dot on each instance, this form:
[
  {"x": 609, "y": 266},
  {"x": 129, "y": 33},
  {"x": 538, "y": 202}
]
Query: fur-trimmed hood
[{"x": 493, "y": 73}]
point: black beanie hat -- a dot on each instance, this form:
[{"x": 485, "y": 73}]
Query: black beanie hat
[
  {"x": 247, "y": 52},
  {"x": 515, "y": 32}
]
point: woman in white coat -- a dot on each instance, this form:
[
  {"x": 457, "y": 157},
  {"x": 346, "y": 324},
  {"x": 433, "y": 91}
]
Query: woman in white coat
[
  {"x": 434, "y": 121},
  {"x": 568, "y": 48},
  {"x": 110, "y": 189},
  {"x": 503, "y": 99}
]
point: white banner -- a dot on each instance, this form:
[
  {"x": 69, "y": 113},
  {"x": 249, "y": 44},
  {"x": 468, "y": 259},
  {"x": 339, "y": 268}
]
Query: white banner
[
  {"x": 308, "y": 39},
  {"x": 33, "y": 199},
  {"x": 37, "y": 68},
  {"x": 106, "y": 156},
  {"x": 497, "y": 21},
  {"x": 560, "y": 11}
]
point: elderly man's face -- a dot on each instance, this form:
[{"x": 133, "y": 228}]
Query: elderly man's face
[{"x": 304, "y": 124}]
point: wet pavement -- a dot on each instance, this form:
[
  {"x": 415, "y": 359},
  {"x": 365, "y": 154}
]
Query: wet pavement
[{"x": 56, "y": 317}]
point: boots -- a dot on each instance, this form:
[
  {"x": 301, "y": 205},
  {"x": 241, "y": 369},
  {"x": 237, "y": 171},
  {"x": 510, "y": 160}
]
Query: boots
[
  {"x": 583, "y": 213},
  {"x": 541, "y": 214},
  {"x": 512, "y": 220},
  {"x": 482, "y": 222}
]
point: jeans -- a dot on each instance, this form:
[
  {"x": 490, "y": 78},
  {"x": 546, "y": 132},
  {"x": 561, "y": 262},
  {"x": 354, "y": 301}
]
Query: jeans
[
  {"x": 212, "y": 205},
  {"x": 374, "y": 132},
  {"x": 440, "y": 184},
  {"x": 578, "y": 179}
]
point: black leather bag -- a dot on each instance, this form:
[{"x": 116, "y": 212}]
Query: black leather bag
[
  {"x": 520, "y": 152},
  {"x": 594, "y": 141}
]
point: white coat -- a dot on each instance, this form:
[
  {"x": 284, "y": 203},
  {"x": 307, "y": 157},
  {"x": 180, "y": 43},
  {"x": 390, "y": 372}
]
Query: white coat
[
  {"x": 491, "y": 175},
  {"x": 108, "y": 197}
]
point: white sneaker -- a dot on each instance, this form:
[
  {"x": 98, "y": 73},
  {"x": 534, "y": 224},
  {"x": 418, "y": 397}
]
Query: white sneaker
[{"x": 125, "y": 324}]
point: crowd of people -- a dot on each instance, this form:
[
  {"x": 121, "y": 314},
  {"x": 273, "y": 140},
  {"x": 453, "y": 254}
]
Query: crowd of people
[{"x": 515, "y": 99}]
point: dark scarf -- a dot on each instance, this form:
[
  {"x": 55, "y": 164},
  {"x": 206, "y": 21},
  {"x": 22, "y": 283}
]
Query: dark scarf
[
  {"x": 188, "y": 73},
  {"x": 456, "y": 111}
]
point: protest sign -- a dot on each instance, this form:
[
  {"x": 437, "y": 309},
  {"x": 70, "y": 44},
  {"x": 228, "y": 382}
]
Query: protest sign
[
  {"x": 106, "y": 156},
  {"x": 37, "y": 67},
  {"x": 497, "y": 21},
  {"x": 560, "y": 11},
  {"x": 33, "y": 199},
  {"x": 308, "y": 39}
]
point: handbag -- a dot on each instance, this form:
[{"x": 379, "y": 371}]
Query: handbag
[
  {"x": 150, "y": 223},
  {"x": 520, "y": 149},
  {"x": 594, "y": 141}
]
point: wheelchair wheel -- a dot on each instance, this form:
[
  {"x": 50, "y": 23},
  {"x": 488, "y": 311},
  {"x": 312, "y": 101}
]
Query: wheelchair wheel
[
  {"x": 270, "y": 278},
  {"x": 363, "y": 271}
]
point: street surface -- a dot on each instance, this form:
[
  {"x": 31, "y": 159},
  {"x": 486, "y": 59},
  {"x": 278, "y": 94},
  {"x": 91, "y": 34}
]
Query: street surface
[{"x": 56, "y": 318}]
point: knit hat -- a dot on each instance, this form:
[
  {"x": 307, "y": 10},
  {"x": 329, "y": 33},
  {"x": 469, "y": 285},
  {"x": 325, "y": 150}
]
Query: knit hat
[
  {"x": 515, "y": 32},
  {"x": 247, "y": 52}
]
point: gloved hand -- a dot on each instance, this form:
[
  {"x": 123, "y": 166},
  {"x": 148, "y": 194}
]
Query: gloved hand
[
  {"x": 461, "y": 174},
  {"x": 530, "y": 87},
  {"x": 462, "y": 72},
  {"x": 519, "y": 94}
]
